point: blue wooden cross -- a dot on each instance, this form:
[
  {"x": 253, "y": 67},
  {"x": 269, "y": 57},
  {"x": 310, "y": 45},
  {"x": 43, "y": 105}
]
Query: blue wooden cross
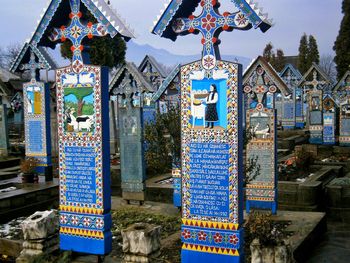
[
  {"x": 76, "y": 32},
  {"x": 210, "y": 23},
  {"x": 33, "y": 66}
]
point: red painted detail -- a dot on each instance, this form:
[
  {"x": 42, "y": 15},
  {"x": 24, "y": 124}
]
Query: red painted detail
[
  {"x": 90, "y": 36},
  {"x": 225, "y": 14},
  {"x": 81, "y": 47},
  {"x": 79, "y": 14},
  {"x": 63, "y": 38},
  {"x": 213, "y": 2},
  {"x": 89, "y": 25},
  {"x": 71, "y": 15},
  {"x": 214, "y": 40},
  {"x": 191, "y": 17},
  {"x": 191, "y": 30},
  {"x": 225, "y": 27},
  {"x": 203, "y": 41},
  {"x": 72, "y": 48}
]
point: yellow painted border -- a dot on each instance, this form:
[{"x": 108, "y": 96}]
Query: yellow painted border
[
  {"x": 81, "y": 210},
  {"x": 82, "y": 232},
  {"x": 208, "y": 224},
  {"x": 213, "y": 250}
]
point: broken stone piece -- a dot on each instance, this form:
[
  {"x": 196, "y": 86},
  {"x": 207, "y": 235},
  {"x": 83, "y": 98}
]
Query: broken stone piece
[
  {"x": 141, "y": 239},
  {"x": 40, "y": 225}
]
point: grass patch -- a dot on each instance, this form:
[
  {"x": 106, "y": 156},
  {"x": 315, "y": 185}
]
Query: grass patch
[{"x": 125, "y": 217}]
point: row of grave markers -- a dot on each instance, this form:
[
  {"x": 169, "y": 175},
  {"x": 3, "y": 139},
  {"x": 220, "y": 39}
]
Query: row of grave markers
[{"x": 211, "y": 170}]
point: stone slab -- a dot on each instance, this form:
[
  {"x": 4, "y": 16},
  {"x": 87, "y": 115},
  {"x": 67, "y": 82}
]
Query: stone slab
[{"x": 29, "y": 198}]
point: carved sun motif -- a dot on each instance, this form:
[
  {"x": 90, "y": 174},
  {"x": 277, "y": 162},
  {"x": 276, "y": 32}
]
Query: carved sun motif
[
  {"x": 75, "y": 31},
  {"x": 209, "y": 62},
  {"x": 241, "y": 20},
  {"x": 178, "y": 25},
  {"x": 208, "y": 22}
]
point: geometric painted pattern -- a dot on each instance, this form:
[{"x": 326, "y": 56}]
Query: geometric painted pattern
[
  {"x": 74, "y": 220},
  {"x": 208, "y": 249},
  {"x": 211, "y": 237},
  {"x": 85, "y": 233}
]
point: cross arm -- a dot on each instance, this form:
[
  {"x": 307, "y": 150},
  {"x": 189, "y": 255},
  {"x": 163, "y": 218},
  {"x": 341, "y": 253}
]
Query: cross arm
[{"x": 226, "y": 22}]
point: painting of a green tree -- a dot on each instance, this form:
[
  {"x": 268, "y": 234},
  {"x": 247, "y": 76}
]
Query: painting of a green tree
[{"x": 80, "y": 94}]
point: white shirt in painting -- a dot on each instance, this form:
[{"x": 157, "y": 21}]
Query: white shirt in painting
[{"x": 212, "y": 99}]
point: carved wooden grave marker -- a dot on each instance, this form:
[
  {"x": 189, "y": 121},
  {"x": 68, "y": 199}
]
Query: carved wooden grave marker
[
  {"x": 36, "y": 102},
  {"x": 211, "y": 125},
  {"x": 131, "y": 88},
  {"x": 342, "y": 92},
  {"x": 292, "y": 104},
  {"x": 261, "y": 82},
  {"x": 83, "y": 123},
  {"x": 315, "y": 80},
  {"x": 330, "y": 109}
]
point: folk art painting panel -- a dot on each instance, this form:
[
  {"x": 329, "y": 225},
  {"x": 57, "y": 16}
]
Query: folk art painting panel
[
  {"x": 212, "y": 200},
  {"x": 83, "y": 131}
]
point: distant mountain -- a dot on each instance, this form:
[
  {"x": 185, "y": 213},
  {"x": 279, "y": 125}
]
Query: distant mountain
[{"x": 135, "y": 53}]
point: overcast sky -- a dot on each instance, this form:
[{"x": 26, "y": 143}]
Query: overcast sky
[{"x": 292, "y": 18}]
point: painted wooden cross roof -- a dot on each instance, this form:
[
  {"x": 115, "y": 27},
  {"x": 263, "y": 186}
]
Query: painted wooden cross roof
[
  {"x": 344, "y": 83},
  {"x": 289, "y": 69},
  {"x": 57, "y": 13},
  {"x": 24, "y": 58},
  {"x": 151, "y": 65},
  {"x": 270, "y": 77},
  {"x": 129, "y": 73},
  {"x": 291, "y": 76},
  {"x": 315, "y": 78},
  {"x": 178, "y": 19}
]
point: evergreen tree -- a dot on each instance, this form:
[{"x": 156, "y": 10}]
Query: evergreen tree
[
  {"x": 342, "y": 44},
  {"x": 268, "y": 53},
  {"x": 280, "y": 60},
  {"x": 103, "y": 51},
  {"x": 313, "y": 54},
  {"x": 303, "y": 65}
]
